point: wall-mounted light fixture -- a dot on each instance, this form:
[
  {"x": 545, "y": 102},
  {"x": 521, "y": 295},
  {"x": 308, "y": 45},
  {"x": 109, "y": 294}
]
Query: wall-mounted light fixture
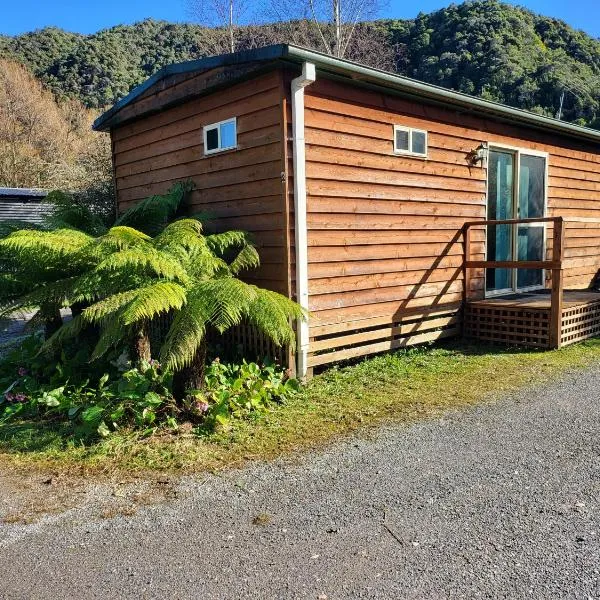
[{"x": 478, "y": 155}]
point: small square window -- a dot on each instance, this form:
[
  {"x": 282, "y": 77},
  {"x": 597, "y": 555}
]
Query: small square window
[
  {"x": 419, "y": 142},
  {"x": 220, "y": 136},
  {"x": 212, "y": 139},
  {"x": 402, "y": 140},
  {"x": 412, "y": 142}
]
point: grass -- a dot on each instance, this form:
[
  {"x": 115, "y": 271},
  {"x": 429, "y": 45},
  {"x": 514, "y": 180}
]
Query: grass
[{"x": 399, "y": 387}]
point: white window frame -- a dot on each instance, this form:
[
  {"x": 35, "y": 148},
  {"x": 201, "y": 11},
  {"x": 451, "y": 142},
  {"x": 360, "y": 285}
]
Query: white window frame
[
  {"x": 410, "y": 131},
  {"x": 217, "y": 126}
]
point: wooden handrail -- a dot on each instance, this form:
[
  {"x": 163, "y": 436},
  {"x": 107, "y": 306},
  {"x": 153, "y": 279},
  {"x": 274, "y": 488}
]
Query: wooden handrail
[
  {"x": 555, "y": 266},
  {"x": 514, "y": 221}
]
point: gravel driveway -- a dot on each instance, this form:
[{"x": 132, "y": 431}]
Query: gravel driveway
[{"x": 500, "y": 501}]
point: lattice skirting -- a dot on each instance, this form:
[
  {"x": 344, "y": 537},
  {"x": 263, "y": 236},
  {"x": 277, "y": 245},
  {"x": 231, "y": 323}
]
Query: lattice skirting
[
  {"x": 530, "y": 327},
  {"x": 511, "y": 326},
  {"x": 580, "y": 323},
  {"x": 242, "y": 341}
]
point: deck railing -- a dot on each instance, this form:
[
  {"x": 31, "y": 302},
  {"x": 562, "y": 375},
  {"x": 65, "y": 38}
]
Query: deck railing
[{"x": 555, "y": 266}]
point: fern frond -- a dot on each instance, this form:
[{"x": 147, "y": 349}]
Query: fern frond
[
  {"x": 152, "y": 214},
  {"x": 145, "y": 260},
  {"x": 108, "y": 306},
  {"x": 185, "y": 232},
  {"x": 56, "y": 293},
  {"x": 186, "y": 332},
  {"x": 59, "y": 242},
  {"x": 68, "y": 212},
  {"x": 221, "y": 243},
  {"x": 111, "y": 334},
  {"x": 8, "y": 227},
  {"x": 271, "y": 313},
  {"x": 247, "y": 258},
  {"x": 153, "y": 300},
  {"x": 120, "y": 237},
  {"x": 227, "y": 300}
]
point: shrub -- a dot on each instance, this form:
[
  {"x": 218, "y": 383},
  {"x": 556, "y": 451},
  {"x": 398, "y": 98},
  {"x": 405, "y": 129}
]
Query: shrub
[
  {"x": 235, "y": 391},
  {"x": 136, "y": 398},
  {"x": 103, "y": 398}
]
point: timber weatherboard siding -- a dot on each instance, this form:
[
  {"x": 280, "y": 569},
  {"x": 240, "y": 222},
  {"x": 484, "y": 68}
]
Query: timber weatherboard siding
[
  {"x": 384, "y": 238},
  {"x": 238, "y": 189}
]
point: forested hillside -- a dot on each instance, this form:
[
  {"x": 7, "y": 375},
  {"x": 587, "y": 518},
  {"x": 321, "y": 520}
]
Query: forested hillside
[{"x": 483, "y": 47}]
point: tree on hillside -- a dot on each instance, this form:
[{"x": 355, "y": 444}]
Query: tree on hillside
[
  {"x": 482, "y": 47},
  {"x": 44, "y": 143},
  {"x": 336, "y": 27}
]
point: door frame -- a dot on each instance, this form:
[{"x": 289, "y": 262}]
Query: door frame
[{"x": 517, "y": 152}]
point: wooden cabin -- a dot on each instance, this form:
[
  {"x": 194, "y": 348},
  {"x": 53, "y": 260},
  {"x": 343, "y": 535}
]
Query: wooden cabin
[{"x": 396, "y": 211}]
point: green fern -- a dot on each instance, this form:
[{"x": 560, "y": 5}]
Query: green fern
[{"x": 151, "y": 215}]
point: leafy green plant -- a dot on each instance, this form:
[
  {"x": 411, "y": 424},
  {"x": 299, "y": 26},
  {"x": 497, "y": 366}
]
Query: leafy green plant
[
  {"x": 194, "y": 277},
  {"x": 235, "y": 391},
  {"x": 137, "y": 398},
  {"x": 99, "y": 399}
]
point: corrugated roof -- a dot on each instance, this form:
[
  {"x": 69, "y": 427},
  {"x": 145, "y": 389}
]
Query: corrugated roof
[
  {"x": 23, "y": 204},
  {"x": 22, "y": 192},
  {"x": 359, "y": 75}
]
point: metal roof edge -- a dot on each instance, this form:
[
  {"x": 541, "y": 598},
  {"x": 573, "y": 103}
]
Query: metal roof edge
[
  {"x": 23, "y": 192},
  {"x": 434, "y": 92},
  {"x": 210, "y": 62},
  {"x": 325, "y": 62}
]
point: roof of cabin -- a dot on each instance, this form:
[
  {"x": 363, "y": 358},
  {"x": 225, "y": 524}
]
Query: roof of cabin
[{"x": 354, "y": 74}]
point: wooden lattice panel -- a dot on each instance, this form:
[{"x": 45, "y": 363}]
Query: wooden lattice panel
[
  {"x": 580, "y": 323},
  {"x": 511, "y": 326},
  {"x": 242, "y": 340}
]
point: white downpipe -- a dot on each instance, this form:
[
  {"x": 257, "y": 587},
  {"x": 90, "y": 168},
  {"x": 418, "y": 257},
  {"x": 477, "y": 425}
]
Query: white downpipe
[{"x": 299, "y": 151}]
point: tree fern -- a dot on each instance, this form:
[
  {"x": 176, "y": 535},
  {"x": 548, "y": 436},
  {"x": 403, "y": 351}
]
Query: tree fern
[{"x": 151, "y": 215}]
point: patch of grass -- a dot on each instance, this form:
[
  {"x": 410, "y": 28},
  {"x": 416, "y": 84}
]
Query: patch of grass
[{"x": 398, "y": 387}]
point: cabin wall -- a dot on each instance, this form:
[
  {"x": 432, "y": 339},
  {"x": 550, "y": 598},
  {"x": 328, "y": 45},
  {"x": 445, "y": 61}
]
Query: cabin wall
[
  {"x": 385, "y": 246},
  {"x": 240, "y": 189}
]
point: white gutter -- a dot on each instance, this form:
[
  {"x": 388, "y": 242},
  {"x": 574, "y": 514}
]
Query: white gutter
[{"x": 299, "y": 151}]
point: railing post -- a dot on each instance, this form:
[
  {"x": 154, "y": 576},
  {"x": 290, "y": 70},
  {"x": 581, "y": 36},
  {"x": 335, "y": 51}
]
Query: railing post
[
  {"x": 556, "y": 296},
  {"x": 467, "y": 257}
]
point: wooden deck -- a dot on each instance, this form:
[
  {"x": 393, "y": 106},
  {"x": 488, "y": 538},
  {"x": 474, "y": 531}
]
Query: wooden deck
[{"x": 525, "y": 319}]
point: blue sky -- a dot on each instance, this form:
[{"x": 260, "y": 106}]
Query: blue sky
[{"x": 18, "y": 16}]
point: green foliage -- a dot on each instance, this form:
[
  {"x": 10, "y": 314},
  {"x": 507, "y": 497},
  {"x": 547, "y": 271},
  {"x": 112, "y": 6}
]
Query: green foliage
[
  {"x": 98, "y": 400},
  {"x": 83, "y": 261},
  {"x": 241, "y": 391},
  {"x": 191, "y": 276},
  {"x": 484, "y": 47},
  {"x": 504, "y": 53},
  {"x": 136, "y": 398}
]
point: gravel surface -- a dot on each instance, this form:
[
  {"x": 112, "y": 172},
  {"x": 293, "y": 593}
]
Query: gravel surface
[{"x": 500, "y": 501}]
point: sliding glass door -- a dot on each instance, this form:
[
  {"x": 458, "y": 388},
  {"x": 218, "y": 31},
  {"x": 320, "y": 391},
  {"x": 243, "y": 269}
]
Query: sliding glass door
[{"x": 516, "y": 190}]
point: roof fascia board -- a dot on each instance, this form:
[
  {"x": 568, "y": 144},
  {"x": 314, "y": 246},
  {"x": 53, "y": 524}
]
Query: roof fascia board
[
  {"x": 438, "y": 94},
  {"x": 191, "y": 66}
]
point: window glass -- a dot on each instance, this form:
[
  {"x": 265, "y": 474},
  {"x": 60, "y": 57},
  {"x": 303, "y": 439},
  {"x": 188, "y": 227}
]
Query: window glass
[
  {"x": 228, "y": 134},
  {"x": 418, "y": 142},
  {"x": 212, "y": 139},
  {"x": 402, "y": 139}
]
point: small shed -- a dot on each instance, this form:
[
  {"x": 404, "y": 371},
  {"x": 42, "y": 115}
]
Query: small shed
[
  {"x": 26, "y": 205},
  {"x": 396, "y": 211}
]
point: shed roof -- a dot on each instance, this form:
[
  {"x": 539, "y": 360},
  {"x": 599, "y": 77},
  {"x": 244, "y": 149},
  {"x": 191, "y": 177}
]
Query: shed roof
[
  {"x": 24, "y": 204},
  {"x": 356, "y": 74},
  {"x": 24, "y": 193}
]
